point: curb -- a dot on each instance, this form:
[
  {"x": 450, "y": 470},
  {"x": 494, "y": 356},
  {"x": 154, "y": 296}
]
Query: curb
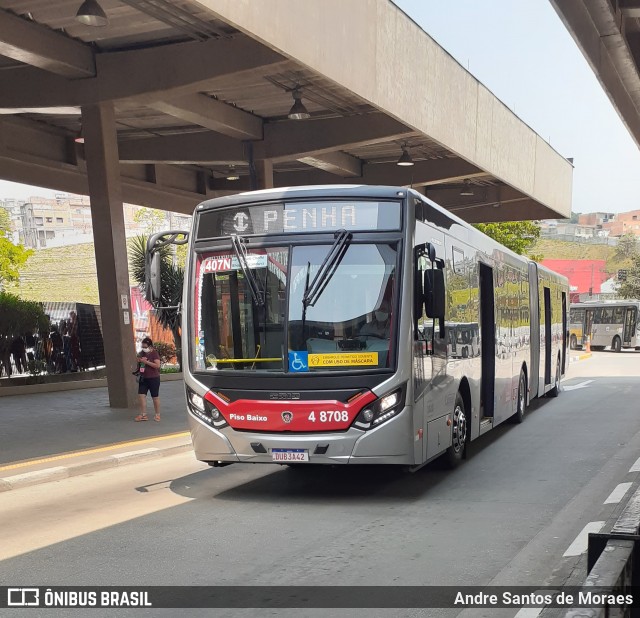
[
  {"x": 581, "y": 357},
  {"x": 56, "y": 473}
]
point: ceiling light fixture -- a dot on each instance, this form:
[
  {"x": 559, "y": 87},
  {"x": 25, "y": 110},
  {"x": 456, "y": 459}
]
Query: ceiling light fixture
[
  {"x": 405, "y": 159},
  {"x": 467, "y": 189},
  {"x": 90, "y": 13},
  {"x": 232, "y": 174},
  {"x": 298, "y": 111}
]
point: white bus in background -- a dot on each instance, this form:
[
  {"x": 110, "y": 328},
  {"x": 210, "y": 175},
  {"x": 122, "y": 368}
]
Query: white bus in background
[{"x": 608, "y": 324}]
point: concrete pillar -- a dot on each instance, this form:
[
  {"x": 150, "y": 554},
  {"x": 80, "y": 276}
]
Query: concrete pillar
[
  {"x": 103, "y": 170},
  {"x": 264, "y": 169}
]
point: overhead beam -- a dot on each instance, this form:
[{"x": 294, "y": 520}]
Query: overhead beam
[
  {"x": 338, "y": 163},
  {"x": 286, "y": 141},
  {"x": 629, "y": 8},
  {"x": 421, "y": 174},
  {"x": 207, "y": 112},
  {"x": 491, "y": 196},
  {"x": 523, "y": 209},
  {"x": 41, "y": 47},
  {"x": 155, "y": 73},
  {"x": 204, "y": 148},
  {"x": 608, "y": 54}
]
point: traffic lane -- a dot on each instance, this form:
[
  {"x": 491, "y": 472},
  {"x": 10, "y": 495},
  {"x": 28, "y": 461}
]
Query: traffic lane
[{"x": 350, "y": 526}]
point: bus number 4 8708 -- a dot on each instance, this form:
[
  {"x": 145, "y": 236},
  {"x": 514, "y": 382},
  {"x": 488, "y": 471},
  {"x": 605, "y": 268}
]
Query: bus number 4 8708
[{"x": 327, "y": 416}]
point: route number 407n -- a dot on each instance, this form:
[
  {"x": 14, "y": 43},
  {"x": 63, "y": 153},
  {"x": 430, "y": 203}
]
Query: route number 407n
[{"x": 327, "y": 416}]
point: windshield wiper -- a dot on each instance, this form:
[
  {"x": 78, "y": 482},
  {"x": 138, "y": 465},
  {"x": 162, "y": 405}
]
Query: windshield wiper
[
  {"x": 313, "y": 291},
  {"x": 257, "y": 293}
]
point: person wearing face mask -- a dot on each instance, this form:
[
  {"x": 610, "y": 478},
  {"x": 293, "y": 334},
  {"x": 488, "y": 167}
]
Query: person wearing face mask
[
  {"x": 149, "y": 360},
  {"x": 379, "y": 326}
]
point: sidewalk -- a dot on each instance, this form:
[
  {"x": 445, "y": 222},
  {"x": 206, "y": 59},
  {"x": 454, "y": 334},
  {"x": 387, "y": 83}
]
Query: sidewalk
[
  {"x": 578, "y": 355},
  {"x": 61, "y": 434}
]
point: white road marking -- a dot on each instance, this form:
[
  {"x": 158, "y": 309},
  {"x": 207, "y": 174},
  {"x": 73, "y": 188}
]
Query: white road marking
[
  {"x": 618, "y": 493},
  {"x": 636, "y": 466},
  {"x": 574, "y": 387},
  {"x": 579, "y": 545}
]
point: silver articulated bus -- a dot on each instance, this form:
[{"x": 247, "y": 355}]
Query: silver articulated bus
[
  {"x": 612, "y": 324},
  {"x": 356, "y": 325}
]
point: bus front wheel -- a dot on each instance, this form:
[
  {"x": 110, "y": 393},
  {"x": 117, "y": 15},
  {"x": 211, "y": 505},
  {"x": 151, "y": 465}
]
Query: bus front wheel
[
  {"x": 574, "y": 342},
  {"x": 616, "y": 344},
  {"x": 455, "y": 452}
]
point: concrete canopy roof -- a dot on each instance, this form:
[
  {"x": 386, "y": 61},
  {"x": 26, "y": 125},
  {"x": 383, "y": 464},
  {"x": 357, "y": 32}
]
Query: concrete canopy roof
[
  {"x": 197, "y": 85},
  {"x": 608, "y": 34}
]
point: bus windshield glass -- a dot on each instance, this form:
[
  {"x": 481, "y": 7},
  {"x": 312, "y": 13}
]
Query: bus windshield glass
[
  {"x": 349, "y": 326},
  {"x": 235, "y": 332},
  {"x": 346, "y": 324}
]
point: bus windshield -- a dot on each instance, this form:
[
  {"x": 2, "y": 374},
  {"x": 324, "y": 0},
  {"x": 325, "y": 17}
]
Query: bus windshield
[{"x": 346, "y": 325}]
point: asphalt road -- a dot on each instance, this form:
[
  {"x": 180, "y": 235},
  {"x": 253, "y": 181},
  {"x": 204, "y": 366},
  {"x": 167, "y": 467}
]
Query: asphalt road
[{"x": 511, "y": 514}]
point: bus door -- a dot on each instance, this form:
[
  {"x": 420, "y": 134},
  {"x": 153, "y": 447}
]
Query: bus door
[
  {"x": 565, "y": 332},
  {"x": 547, "y": 335},
  {"x": 488, "y": 340},
  {"x": 630, "y": 317},
  {"x": 588, "y": 326}
]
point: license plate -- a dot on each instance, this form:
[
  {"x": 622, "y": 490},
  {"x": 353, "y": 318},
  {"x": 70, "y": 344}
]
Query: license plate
[{"x": 289, "y": 454}]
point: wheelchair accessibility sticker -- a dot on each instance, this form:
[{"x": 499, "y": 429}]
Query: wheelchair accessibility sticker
[
  {"x": 301, "y": 361},
  {"x": 298, "y": 362}
]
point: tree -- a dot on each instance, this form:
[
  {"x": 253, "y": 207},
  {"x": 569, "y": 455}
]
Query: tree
[
  {"x": 171, "y": 279},
  {"x": 630, "y": 288},
  {"x": 151, "y": 219},
  {"x": 519, "y": 236},
  {"x": 11, "y": 258},
  {"x": 627, "y": 246},
  {"x": 5, "y": 223}
]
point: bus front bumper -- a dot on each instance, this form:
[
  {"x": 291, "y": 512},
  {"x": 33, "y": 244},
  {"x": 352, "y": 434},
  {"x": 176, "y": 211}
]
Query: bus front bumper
[{"x": 391, "y": 443}]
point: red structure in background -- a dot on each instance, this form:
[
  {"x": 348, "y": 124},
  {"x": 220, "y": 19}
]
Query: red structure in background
[
  {"x": 144, "y": 321},
  {"x": 585, "y": 276}
]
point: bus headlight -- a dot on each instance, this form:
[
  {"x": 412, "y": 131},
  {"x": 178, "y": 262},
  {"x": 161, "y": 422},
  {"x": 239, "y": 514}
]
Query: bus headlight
[
  {"x": 205, "y": 410},
  {"x": 197, "y": 401},
  {"x": 381, "y": 410}
]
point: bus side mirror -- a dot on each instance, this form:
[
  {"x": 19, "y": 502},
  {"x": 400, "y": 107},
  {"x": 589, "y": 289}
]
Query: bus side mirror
[
  {"x": 434, "y": 293},
  {"x": 153, "y": 287}
]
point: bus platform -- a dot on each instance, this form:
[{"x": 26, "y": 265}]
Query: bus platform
[{"x": 49, "y": 436}]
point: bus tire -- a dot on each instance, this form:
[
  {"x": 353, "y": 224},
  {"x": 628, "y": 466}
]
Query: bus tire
[
  {"x": 616, "y": 344},
  {"x": 555, "y": 391},
  {"x": 573, "y": 342},
  {"x": 518, "y": 417},
  {"x": 459, "y": 430}
]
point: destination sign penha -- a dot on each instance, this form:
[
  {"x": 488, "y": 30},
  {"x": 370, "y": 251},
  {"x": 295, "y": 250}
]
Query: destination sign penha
[{"x": 300, "y": 217}]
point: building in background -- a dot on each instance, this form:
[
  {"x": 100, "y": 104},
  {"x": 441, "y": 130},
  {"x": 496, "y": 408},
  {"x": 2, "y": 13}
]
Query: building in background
[
  {"x": 14, "y": 208},
  {"x": 585, "y": 276},
  {"x": 624, "y": 223},
  {"x": 66, "y": 220}
]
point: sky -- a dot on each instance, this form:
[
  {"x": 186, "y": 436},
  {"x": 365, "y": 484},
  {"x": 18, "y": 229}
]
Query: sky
[{"x": 523, "y": 53}]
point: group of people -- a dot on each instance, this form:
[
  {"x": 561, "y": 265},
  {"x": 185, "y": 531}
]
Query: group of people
[{"x": 56, "y": 351}]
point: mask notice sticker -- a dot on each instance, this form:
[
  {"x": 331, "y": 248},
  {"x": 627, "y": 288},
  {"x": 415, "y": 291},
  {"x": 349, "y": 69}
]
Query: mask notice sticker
[{"x": 344, "y": 360}]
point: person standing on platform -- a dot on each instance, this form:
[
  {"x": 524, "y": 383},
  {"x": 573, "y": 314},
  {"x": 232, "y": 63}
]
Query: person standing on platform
[{"x": 149, "y": 381}]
